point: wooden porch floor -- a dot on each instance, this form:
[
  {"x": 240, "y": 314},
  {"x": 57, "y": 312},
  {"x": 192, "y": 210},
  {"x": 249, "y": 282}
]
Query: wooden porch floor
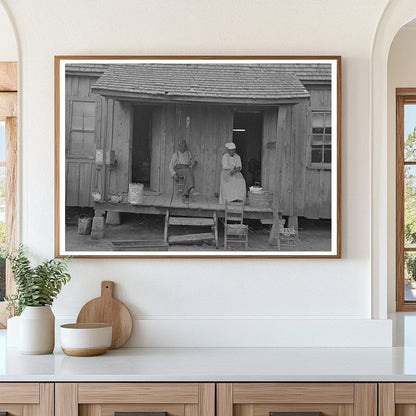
[{"x": 198, "y": 206}]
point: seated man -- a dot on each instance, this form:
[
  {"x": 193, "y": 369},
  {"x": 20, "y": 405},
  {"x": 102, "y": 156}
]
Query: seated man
[{"x": 181, "y": 166}]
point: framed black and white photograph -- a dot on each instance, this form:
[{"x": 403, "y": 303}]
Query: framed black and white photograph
[{"x": 198, "y": 156}]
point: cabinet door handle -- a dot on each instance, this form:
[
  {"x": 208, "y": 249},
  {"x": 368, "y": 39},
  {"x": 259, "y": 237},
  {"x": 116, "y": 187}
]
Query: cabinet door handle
[
  {"x": 295, "y": 413},
  {"x": 139, "y": 414}
]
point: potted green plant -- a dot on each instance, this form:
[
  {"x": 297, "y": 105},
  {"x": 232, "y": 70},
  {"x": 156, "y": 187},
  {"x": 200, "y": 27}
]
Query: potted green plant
[{"x": 36, "y": 289}]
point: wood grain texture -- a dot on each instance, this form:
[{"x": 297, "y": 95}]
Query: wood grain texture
[
  {"x": 207, "y": 399},
  {"x": 224, "y": 399},
  {"x": 27, "y": 393},
  {"x": 404, "y": 96},
  {"x": 11, "y": 195},
  {"x": 109, "y": 310},
  {"x": 138, "y": 393},
  {"x": 8, "y": 76},
  {"x": 345, "y": 410},
  {"x": 57, "y": 154},
  {"x": 90, "y": 410},
  {"x": 365, "y": 399},
  {"x": 251, "y": 393},
  {"x": 400, "y": 304},
  {"x": 11, "y": 207},
  {"x": 405, "y": 410},
  {"x": 405, "y": 393},
  {"x": 47, "y": 399},
  {"x": 245, "y": 410},
  {"x": 265, "y": 409},
  {"x": 190, "y": 410},
  {"x": 30, "y": 410},
  {"x": 8, "y": 105},
  {"x": 66, "y": 399},
  {"x": 110, "y": 409},
  {"x": 386, "y": 399}
]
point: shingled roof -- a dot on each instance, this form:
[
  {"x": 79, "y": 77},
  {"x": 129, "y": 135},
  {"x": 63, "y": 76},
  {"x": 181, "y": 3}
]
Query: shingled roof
[
  {"x": 234, "y": 83},
  {"x": 310, "y": 73},
  {"x": 85, "y": 69}
]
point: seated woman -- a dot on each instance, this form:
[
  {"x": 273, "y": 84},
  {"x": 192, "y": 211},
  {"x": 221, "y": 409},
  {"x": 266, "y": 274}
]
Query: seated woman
[{"x": 232, "y": 185}]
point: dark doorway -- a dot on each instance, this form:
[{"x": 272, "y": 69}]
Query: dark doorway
[
  {"x": 247, "y": 136},
  {"x": 142, "y": 145}
]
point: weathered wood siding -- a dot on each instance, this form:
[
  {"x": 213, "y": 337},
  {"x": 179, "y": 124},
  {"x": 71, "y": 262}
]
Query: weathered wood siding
[
  {"x": 301, "y": 139},
  {"x": 82, "y": 127},
  {"x": 96, "y": 122},
  {"x": 282, "y": 162},
  {"x": 270, "y": 165},
  {"x": 318, "y": 181},
  {"x": 298, "y": 190},
  {"x": 119, "y": 138},
  {"x": 206, "y": 128}
]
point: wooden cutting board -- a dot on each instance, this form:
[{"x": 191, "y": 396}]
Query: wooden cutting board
[{"x": 107, "y": 309}]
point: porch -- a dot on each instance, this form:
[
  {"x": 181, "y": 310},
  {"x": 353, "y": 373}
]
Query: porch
[
  {"x": 198, "y": 206},
  {"x": 199, "y": 210}
]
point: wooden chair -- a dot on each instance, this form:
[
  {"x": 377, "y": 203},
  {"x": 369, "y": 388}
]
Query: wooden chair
[
  {"x": 288, "y": 235},
  {"x": 179, "y": 185},
  {"x": 235, "y": 232}
]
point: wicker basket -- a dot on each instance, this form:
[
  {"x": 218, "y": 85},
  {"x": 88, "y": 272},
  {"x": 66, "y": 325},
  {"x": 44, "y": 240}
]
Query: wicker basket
[{"x": 260, "y": 199}]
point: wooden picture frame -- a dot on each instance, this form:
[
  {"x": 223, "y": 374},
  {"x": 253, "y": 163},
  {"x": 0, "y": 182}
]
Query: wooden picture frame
[{"x": 136, "y": 134}]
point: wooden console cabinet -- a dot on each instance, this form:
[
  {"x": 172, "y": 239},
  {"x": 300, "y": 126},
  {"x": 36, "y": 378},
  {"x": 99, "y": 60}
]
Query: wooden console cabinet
[
  {"x": 208, "y": 399},
  {"x": 331, "y": 399}
]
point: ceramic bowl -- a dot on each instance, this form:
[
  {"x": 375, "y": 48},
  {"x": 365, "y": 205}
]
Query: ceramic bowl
[{"x": 83, "y": 340}]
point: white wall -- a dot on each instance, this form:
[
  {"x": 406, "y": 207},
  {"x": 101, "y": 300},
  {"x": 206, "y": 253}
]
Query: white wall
[
  {"x": 8, "y": 46},
  {"x": 223, "y": 301},
  {"x": 401, "y": 74}
]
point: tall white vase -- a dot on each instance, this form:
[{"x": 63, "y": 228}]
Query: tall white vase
[{"x": 37, "y": 330}]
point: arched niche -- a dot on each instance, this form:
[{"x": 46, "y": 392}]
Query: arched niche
[{"x": 396, "y": 15}]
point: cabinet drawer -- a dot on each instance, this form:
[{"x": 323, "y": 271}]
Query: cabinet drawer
[
  {"x": 296, "y": 399},
  {"x": 146, "y": 399}
]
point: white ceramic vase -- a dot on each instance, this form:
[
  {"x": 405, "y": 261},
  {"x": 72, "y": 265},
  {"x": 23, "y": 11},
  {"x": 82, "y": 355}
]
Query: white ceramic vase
[
  {"x": 12, "y": 334},
  {"x": 37, "y": 330}
]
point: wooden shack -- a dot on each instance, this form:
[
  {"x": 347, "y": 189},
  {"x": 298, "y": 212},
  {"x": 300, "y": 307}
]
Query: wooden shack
[{"x": 124, "y": 121}]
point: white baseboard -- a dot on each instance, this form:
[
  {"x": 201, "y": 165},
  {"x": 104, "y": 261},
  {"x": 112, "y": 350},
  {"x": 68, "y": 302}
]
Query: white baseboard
[{"x": 189, "y": 332}]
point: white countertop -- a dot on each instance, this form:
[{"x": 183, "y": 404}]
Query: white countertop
[
  {"x": 221, "y": 364},
  {"x": 215, "y": 364}
]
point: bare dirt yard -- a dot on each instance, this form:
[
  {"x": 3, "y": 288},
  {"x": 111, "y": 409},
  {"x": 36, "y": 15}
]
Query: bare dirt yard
[{"x": 314, "y": 235}]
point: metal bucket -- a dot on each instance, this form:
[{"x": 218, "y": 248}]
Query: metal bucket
[{"x": 136, "y": 195}]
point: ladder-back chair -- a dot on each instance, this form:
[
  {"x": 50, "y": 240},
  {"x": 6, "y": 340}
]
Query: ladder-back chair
[
  {"x": 179, "y": 185},
  {"x": 235, "y": 232}
]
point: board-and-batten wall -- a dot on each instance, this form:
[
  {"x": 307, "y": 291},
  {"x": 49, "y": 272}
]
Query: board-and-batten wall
[
  {"x": 80, "y": 139},
  {"x": 206, "y": 128}
]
